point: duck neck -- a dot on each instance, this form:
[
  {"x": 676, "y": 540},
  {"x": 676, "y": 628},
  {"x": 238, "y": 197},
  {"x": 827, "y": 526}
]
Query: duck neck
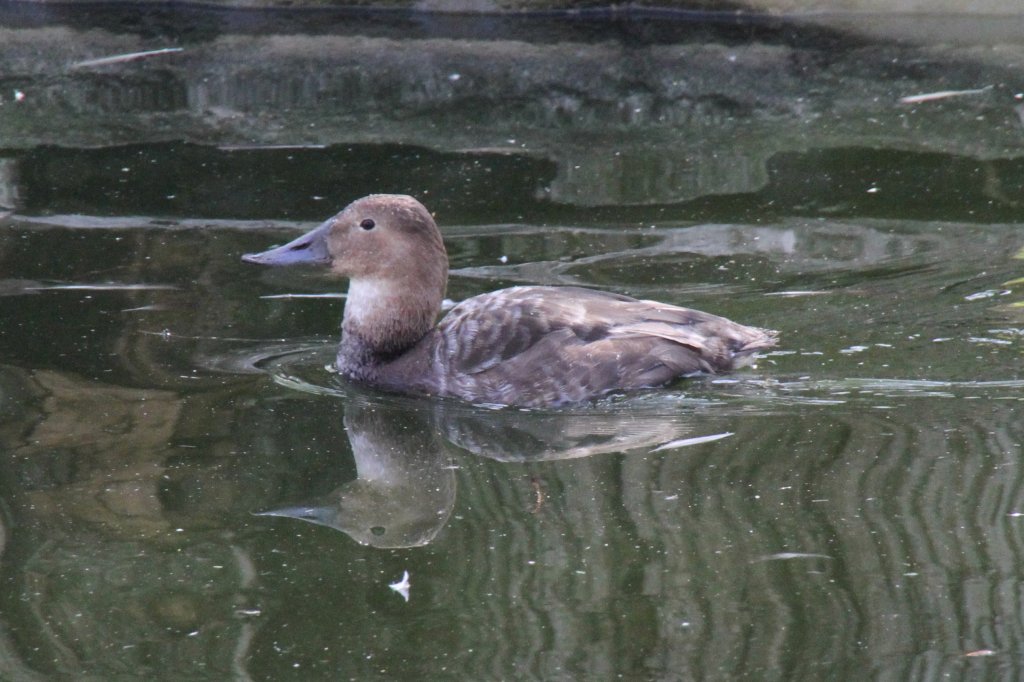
[{"x": 383, "y": 319}]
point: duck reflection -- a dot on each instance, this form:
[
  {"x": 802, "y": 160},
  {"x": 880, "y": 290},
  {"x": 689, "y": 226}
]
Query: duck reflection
[
  {"x": 404, "y": 489},
  {"x": 515, "y": 436},
  {"x": 405, "y": 452}
]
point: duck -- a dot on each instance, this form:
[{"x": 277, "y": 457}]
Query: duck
[{"x": 525, "y": 346}]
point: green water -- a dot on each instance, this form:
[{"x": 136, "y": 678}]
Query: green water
[{"x": 850, "y": 508}]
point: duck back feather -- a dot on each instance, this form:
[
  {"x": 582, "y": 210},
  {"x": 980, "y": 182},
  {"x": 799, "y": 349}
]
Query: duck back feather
[{"x": 554, "y": 345}]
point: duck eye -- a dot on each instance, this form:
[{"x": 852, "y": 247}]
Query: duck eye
[{"x": 368, "y": 224}]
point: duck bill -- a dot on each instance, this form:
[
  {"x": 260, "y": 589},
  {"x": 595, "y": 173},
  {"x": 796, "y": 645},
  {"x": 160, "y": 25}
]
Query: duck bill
[{"x": 309, "y": 249}]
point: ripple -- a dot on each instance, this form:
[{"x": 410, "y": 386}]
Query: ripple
[
  {"x": 307, "y": 367},
  {"x": 274, "y": 359}
]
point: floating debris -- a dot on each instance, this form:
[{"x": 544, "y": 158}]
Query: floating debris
[
  {"x": 144, "y": 308},
  {"x": 788, "y": 556},
  {"x": 942, "y": 94},
  {"x": 988, "y": 293},
  {"x": 111, "y": 286},
  {"x": 796, "y": 292},
  {"x": 538, "y": 495},
  {"x": 269, "y": 147},
  {"x": 696, "y": 440},
  {"x": 985, "y": 339},
  {"x": 402, "y": 586},
  {"x": 127, "y": 57}
]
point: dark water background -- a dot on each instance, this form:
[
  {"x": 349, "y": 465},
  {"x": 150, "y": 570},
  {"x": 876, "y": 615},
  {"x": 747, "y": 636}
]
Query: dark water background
[{"x": 851, "y": 508}]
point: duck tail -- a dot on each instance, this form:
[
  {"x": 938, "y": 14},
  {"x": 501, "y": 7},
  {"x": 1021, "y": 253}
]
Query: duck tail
[{"x": 760, "y": 339}]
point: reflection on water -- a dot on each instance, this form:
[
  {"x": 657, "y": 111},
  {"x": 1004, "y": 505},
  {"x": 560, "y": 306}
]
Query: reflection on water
[
  {"x": 812, "y": 524},
  {"x": 178, "y": 181},
  {"x": 852, "y": 504},
  {"x": 404, "y": 489}
]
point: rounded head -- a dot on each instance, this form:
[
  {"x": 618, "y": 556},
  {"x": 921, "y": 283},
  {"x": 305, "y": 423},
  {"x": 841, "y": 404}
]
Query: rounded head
[
  {"x": 381, "y": 236},
  {"x": 374, "y": 237}
]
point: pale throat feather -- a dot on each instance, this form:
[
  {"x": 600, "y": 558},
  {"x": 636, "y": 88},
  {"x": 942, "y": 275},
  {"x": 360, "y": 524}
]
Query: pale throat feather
[
  {"x": 384, "y": 316},
  {"x": 368, "y": 301}
]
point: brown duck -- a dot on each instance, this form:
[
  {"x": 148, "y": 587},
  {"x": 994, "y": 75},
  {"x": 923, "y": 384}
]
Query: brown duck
[{"x": 527, "y": 345}]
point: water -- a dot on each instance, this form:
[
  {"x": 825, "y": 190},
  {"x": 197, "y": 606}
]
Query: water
[{"x": 189, "y": 493}]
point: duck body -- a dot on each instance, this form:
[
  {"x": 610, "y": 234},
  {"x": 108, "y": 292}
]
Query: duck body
[
  {"x": 527, "y": 346},
  {"x": 535, "y": 346}
]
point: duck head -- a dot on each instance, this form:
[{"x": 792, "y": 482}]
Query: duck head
[{"x": 390, "y": 249}]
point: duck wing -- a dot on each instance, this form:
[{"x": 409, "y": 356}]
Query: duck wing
[{"x": 562, "y": 344}]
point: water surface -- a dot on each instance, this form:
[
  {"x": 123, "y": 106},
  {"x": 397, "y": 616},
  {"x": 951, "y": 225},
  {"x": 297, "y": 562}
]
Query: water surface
[{"x": 189, "y": 493}]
